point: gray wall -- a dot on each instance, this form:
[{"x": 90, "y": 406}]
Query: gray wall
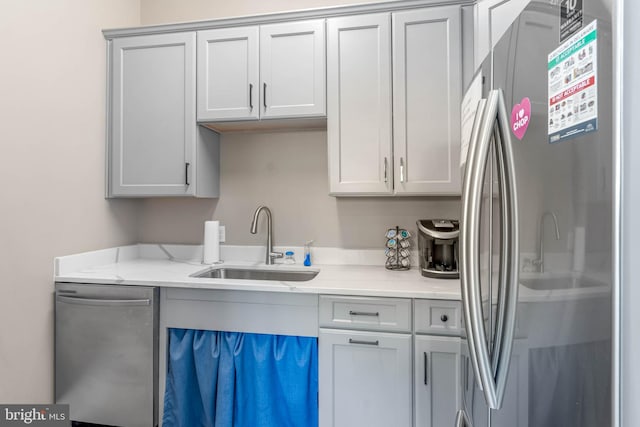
[
  {"x": 166, "y": 11},
  {"x": 52, "y": 124},
  {"x": 286, "y": 171}
]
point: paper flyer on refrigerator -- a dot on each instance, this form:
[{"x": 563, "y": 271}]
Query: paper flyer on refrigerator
[{"x": 573, "y": 86}]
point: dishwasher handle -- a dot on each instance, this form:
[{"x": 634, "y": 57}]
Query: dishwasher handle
[{"x": 103, "y": 302}]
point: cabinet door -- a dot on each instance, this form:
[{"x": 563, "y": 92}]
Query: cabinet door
[
  {"x": 152, "y": 115},
  {"x": 427, "y": 81},
  {"x": 292, "y": 69},
  {"x": 437, "y": 390},
  {"x": 359, "y": 105},
  {"x": 365, "y": 379},
  {"x": 228, "y": 74}
]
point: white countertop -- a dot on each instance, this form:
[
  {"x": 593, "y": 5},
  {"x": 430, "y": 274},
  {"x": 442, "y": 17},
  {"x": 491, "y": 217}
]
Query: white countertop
[
  {"x": 341, "y": 272},
  {"x": 173, "y": 265}
]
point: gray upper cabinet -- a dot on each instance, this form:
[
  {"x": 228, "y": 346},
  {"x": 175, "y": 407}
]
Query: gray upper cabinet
[
  {"x": 155, "y": 147},
  {"x": 258, "y": 72},
  {"x": 359, "y": 104},
  {"x": 416, "y": 92},
  {"x": 228, "y": 74},
  {"x": 427, "y": 81},
  {"x": 292, "y": 69},
  {"x": 388, "y": 82}
]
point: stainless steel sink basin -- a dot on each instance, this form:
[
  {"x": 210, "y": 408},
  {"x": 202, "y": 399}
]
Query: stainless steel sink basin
[
  {"x": 559, "y": 282},
  {"x": 257, "y": 274}
]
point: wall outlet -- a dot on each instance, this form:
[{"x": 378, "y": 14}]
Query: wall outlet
[{"x": 223, "y": 233}]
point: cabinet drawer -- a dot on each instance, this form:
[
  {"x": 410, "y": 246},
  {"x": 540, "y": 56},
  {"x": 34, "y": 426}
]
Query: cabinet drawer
[
  {"x": 377, "y": 314},
  {"x": 440, "y": 317}
]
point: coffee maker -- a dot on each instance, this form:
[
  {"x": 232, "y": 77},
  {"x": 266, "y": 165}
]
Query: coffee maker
[{"x": 438, "y": 248}]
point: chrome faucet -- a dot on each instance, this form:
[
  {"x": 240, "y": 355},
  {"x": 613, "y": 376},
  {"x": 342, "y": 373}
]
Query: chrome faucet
[
  {"x": 540, "y": 260},
  {"x": 271, "y": 255}
]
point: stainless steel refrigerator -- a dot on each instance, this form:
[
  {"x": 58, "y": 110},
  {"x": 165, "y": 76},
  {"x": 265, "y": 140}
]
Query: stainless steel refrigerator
[{"x": 537, "y": 224}]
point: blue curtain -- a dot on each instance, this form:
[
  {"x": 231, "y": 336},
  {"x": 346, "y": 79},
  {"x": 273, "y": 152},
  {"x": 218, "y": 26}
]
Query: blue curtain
[{"x": 230, "y": 379}]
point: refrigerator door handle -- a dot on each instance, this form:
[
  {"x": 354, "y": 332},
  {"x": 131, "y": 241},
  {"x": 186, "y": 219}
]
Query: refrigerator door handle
[
  {"x": 509, "y": 253},
  {"x": 470, "y": 227},
  {"x": 491, "y": 368},
  {"x": 505, "y": 240},
  {"x": 462, "y": 420},
  {"x": 466, "y": 238}
]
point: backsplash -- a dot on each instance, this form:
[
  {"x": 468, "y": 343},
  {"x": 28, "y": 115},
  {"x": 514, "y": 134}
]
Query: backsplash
[{"x": 286, "y": 171}]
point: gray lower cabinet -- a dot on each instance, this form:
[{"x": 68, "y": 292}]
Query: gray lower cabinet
[
  {"x": 365, "y": 378},
  {"x": 155, "y": 147},
  {"x": 365, "y": 361},
  {"x": 436, "y": 386},
  {"x": 380, "y": 360}
]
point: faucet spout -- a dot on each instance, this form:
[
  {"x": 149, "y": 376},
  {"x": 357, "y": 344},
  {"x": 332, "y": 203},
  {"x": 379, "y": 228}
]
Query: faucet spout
[
  {"x": 540, "y": 260},
  {"x": 270, "y": 255},
  {"x": 256, "y": 215}
]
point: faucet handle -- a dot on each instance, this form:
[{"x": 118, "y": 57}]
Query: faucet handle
[{"x": 276, "y": 254}]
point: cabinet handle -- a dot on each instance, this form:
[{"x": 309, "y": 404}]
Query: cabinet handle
[
  {"x": 352, "y": 341},
  {"x": 250, "y": 96},
  {"x": 364, "y": 313},
  {"x": 401, "y": 169},
  {"x": 444, "y": 317},
  {"x": 426, "y": 369},
  {"x": 186, "y": 174},
  {"x": 386, "y": 178},
  {"x": 103, "y": 302},
  {"x": 264, "y": 95}
]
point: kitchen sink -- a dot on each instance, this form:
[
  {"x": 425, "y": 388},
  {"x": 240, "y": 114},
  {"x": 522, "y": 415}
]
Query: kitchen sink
[
  {"x": 257, "y": 274},
  {"x": 559, "y": 282}
]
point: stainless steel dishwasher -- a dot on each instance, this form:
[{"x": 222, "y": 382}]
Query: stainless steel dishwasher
[{"x": 106, "y": 353}]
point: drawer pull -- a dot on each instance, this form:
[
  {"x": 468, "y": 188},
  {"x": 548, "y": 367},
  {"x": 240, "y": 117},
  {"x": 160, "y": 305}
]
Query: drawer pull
[
  {"x": 363, "y": 313},
  {"x": 444, "y": 317},
  {"x": 352, "y": 341}
]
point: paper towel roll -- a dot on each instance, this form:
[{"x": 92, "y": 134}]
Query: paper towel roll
[{"x": 211, "y": 242}]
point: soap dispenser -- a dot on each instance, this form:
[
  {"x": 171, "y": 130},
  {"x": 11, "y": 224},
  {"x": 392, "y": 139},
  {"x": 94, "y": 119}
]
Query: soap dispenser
[{"x": 307, "y": 253}]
